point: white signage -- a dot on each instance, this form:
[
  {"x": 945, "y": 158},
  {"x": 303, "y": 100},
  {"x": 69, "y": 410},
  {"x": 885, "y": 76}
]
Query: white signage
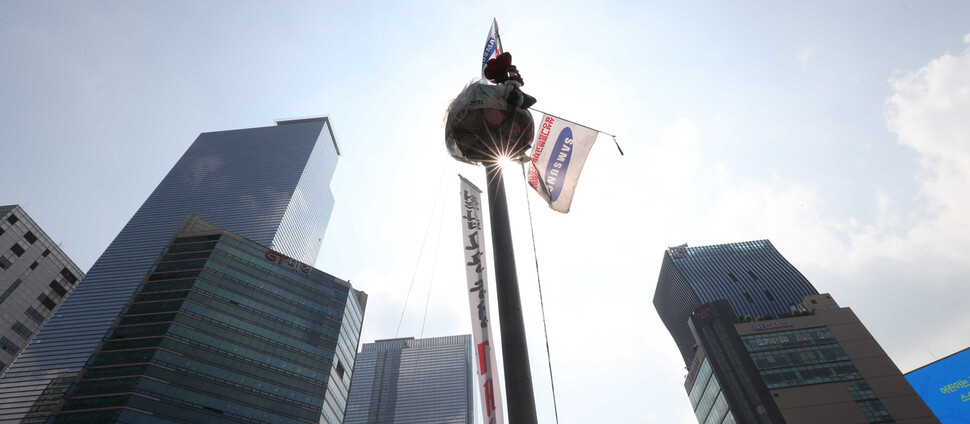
[
  {"x": 771, "y": 325},
  {"x": 473, "y": 240}
]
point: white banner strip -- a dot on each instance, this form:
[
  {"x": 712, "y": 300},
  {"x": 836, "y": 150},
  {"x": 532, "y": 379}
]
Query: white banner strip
[{"x": 473, "y": 240}]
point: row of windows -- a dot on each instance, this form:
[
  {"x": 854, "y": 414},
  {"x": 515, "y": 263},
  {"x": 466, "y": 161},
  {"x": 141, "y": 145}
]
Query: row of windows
[
  {"x": 806, "y": 355},
  {"x": 9, "y": 290},
  {"x": 246, "y": 347},
  {"x": 285, "y": 299},
  {"x": 270, "y": 318},
  {"x": 22, "y": 330},
  {"x": 328, "y": 287},
  {"x": 320, "y": 319},
  {"x": 225, "y": 326},
  {"x": 787, "y": 339},
  {"x": 870, "y": 405},
  {"x": 219, "y": 399},
  {"x": 7, "y": 346},
  {"x": 810, "y": 374}
]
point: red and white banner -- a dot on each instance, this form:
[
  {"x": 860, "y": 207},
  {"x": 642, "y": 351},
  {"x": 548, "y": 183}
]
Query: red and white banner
[
  {"x": 558, "y": 158},
  {"x": 473, "y": 237}
]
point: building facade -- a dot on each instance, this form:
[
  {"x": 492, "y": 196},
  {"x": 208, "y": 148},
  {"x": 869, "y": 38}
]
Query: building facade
[
  {"x": 35, "y": 277},
  {"x": 269, "y": 185},
  {"x": 410, "y": 380},
  {"x": 769, "y": 360},
  {"x": 751, "y": 276},
  {"x": 224, "y": 330}
]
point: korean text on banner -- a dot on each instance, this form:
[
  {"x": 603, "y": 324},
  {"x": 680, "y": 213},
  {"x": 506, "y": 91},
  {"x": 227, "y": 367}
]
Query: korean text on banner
[
  {"x": 493, "y": 45},
  {"x": 558, "y": 158},
  {"x": 473, "y": 237}
]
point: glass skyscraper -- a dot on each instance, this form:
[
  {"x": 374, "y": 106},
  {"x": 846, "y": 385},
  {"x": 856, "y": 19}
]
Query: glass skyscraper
[
  {"x": 752, "y": 276},
  {"x": 415, "y": 381},
  {"x": 763, "y": 347},
  {"x": 269, "y": 185},
  {"x": 224, "y": 330}
]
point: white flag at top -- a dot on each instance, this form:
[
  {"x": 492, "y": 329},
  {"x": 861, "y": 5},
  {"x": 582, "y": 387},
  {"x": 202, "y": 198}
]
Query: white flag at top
[
  {"x": 493, "y": 45},
  {"x": 558, "y": 158}
]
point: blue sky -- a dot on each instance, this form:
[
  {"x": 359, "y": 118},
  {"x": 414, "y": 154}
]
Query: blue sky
[{"x": 835, "y": 130}]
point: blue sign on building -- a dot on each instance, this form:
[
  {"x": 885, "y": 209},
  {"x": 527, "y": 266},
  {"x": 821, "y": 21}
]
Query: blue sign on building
[{"x": 945, "y": 386}]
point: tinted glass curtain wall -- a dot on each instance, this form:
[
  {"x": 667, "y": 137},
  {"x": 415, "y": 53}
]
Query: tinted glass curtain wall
[
  {"x": 752, "y": 276},
  {"x": 221, "y": 332},
  {"x": 270, "y": 185}
]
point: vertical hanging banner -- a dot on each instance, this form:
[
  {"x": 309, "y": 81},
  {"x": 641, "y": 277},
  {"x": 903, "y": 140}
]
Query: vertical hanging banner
[
  {"x": 473, "y": 237},
  {"x": 558, "y": 158}
]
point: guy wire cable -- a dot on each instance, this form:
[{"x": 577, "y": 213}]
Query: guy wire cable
[
  {"x": 421, "y": 251},
  {"x": 542, "y": 307},
  {"x": 434, "y": 260}
]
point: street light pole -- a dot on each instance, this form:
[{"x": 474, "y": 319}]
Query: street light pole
[{"x": 520, "y": 399}]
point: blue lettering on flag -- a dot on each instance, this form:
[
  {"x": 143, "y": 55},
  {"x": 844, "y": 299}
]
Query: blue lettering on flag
[
  {"x": 489, "y": 50},
  {"x": 558, "y": 163}
]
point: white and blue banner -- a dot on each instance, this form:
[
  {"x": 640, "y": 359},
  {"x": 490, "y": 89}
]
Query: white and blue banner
[
  {"x": 558, "y": 158},
  {"x": 473, "y": 241},
  {"x": 493, "y": 46}
]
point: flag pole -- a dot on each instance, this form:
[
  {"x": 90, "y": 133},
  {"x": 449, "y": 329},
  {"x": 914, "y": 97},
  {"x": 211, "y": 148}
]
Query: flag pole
[{"x": 519, "y": 399}]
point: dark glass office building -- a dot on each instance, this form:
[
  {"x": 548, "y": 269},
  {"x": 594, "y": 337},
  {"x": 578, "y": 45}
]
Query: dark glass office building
[
  {"x": 413, "y": 381},
  {"x": 751, "y": 276},
  {"x": 269, "y": 185},
  {"x": 768, "y": 359},
  {"x": 35, "y": 277},
  {"x": 223, "y": 330}
]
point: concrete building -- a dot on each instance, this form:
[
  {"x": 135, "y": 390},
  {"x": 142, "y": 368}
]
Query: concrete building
[
  {"x": 224, "y": 330},
  {"x": 416, "y": 381},
  {"x": 269, "y": 185},
  {"x": 35, "y": 277},
  {"x": 814, "y": 362}
]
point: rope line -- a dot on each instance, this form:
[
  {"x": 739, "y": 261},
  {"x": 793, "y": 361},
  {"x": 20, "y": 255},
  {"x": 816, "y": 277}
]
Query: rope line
[
  {"x": 434, "y": 261},
  {"x": 545, "y": 330},
  {"x": 421, "y": 251},
  {"x": 441, "y": 220}
]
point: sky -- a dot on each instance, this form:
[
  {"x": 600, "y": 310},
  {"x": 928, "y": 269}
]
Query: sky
[{"x": 838, "y": 130}]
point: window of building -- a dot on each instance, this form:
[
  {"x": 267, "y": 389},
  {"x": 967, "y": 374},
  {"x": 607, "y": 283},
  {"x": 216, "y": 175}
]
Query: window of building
[
  {"x": 12, "y": 219},
  {"x": 770, "y": 297},
  {"x": 46, "y": 252},
  {"x": 748, "y": 296},
  {"x": 34, "y": 315},
  {"x": 339, "y": 369},
  {"x": 46, "y": 301},
  {"x": 58, "y": 288},
  {"x": 735, "y": 279},
  {"x": 752, "y": 275},
  {"x": 30, "y": 237},
  {"x": 9, "y": 290},
  {"x": 7, "y": 346},
  {"x": 22, "y": 330},
  {"x": 4, "y": 262},
  {"x": 17, "y": 250},
  {"x": 1, "y": 231},
  {"x": 34, "y": 265},
  {"x": 69, "y": 276}
]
